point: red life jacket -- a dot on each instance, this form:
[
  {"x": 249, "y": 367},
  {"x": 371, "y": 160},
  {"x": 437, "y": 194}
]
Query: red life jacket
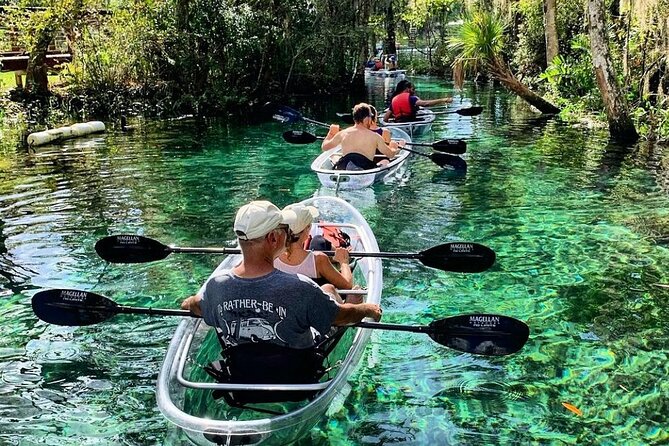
[{"x": 401, "y": 106}]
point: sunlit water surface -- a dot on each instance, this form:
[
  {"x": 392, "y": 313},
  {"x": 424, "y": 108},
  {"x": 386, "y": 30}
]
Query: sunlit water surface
[{"x": 579, "y": 227}]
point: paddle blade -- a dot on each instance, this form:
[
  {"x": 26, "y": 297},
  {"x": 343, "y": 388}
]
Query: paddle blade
[
  {"x": 348, "y": 118},
  {"x": 480, "y": 334},
  {"x": 286, "y": 114},
  {"x": 72, "y": 307},
  {"x": 471, "y": 111},
  {"x": 455, "y": 146},
  {"x": 299, "y": 137},
  {"x": 454, "y": 162},
  {"x": 446, "y": 159},
  {"x": 459, "y": 257},
  {"x": 131, "y": 249}
]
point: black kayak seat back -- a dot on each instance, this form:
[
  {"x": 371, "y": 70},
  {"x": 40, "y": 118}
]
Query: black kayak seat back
[{"x": 266, "y": 363}]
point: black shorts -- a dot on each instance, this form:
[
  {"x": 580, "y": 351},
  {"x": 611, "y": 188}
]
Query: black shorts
[{"x": 355, "y": 161}]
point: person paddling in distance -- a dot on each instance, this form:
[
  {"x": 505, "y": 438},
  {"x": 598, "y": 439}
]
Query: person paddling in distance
[
  {"x": 404, "y": 104},
  {"x": 254, "y": 293},
  {"x": 313, "y": 264},
  {"x": 358, "y": 144}
]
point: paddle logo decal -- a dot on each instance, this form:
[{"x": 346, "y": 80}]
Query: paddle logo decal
[
  {"x": 484, "y": 321},
  {"x": 73, "y": 296},
  {"x": 461, "y": 248},
  {"x": 127, "y": 240},
  {"x": 280, "y": 118}
]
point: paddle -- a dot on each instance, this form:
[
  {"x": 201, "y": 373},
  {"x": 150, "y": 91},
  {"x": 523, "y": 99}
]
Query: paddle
[
  {"x": 289, "y": 115},
  {"x": 468, "y": 111},
  {"x": 460, "y": 257},
  {"x": 481, "y": 334},
  {"x": 455, "y": 146}
]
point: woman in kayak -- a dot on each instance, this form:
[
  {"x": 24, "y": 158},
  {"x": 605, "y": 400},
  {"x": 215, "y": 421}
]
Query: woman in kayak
[
  {"x": 405, "y": 104},
  {"x": 380, "y": 158},
  {"x": 313, "y": 264}
]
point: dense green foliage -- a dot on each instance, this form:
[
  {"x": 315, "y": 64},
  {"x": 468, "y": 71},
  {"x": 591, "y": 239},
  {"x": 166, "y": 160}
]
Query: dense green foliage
[{"x": 214, "y": 56}]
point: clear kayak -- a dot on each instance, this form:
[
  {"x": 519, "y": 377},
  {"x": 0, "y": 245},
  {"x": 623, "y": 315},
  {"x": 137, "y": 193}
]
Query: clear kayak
[
  {"x": 358, "y": 179},
  {"x": 419, "y": 127},
  {"x": 184, "y": 390},
  {"x": 386, "y": 73}
]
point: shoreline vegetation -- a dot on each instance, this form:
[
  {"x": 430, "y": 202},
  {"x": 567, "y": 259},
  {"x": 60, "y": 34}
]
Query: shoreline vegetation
[{"x": 169, "y": 58}]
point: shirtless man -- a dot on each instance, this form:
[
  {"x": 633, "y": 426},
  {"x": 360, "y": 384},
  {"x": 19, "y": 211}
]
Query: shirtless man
[{"x": 359, "y": 144}]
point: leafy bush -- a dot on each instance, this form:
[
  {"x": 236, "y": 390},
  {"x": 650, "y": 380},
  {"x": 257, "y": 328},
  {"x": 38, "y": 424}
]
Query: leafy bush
[
  {"x": 572, "y": 77},
  {"x": 652, "y": 120}
]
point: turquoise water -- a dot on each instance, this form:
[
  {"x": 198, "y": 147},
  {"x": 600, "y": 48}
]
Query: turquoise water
[{"x": 580, "y": 228}]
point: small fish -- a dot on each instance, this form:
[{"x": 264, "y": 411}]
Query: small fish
[{"x": 573, "y": 408}]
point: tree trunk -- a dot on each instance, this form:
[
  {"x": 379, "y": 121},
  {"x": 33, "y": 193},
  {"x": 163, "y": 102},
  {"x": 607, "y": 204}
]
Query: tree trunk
[
  {"x": 37, "y": 82},
  {"x": 502, "y": 72},
  {"x": 362, "y": 13},
  {"x": 389, "y": 44},
  {"x": 621, "y": 126},
  {"x": 550, "y": 30}
]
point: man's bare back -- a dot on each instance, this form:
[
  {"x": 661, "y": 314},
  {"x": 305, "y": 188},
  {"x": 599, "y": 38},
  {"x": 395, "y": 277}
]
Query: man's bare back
[{"x": 358, "y": 139}]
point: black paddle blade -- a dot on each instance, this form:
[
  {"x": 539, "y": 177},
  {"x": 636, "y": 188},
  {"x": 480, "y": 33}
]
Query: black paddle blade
[
  {"x": 446, "y": 159},
  {"x": 481, "y": 334},
  {"x": 459, "y": 257},
  {"x": 471, "y": 111},
  {"x": 347, "y": 118},
  {"x": 455, "y": 146},
  {"x": 286, "y": 114},
  {"x": 72, "y": 307},
  {"x": 131, "y": 249},
  {"x": 299, "y": 137},
  {"x": 454, "y": 162}
]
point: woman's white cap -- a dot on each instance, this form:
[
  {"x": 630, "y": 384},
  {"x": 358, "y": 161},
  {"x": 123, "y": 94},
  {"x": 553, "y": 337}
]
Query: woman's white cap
[
  {"x": 257, "y": 219},
  {"x": 299, "y": 217}
]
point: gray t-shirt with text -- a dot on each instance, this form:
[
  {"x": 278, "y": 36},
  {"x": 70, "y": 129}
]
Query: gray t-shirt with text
[{"x": 280, "y": 308}]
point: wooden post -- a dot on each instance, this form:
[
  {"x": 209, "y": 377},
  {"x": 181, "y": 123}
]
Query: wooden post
[{"x": 19, "y": 79}]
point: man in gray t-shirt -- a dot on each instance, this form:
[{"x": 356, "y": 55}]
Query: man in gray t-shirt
[
  {"x": 254, "y": 302},
  {"x": 276, "y": 308}
]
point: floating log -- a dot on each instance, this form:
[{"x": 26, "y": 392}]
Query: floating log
[{"x": 62, "y": 133}]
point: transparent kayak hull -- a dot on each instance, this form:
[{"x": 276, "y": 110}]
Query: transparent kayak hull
[
  {"x": 184, "y": 390},
  {"x": 386, "y": 73},
  {"x": 358, "y": 179},
  {"x": 413, "y": 128}
]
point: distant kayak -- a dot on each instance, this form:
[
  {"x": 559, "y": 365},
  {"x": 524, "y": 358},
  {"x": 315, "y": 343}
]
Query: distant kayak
[{"x": 386, "y": 73}]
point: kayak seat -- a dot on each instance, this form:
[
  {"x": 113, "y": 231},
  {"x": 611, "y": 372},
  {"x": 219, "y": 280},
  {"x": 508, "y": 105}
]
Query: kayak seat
[{"x": 267, "y": 363}]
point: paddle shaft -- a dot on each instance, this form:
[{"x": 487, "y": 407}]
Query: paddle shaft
[
  {"x": 387, "y": 255},
  {"x": 120, "y": 309},
  {"x": 312, "y": 121},
  {"x": 204, "y": 250},
  {"x": 184, "y": 313},
  {"x": 395, "y": 327},
  {"x": 450, "y": 146},
  {"x": 153, "y": 311}
]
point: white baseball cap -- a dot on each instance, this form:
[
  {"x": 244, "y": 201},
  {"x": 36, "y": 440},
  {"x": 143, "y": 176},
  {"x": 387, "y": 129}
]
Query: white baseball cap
[
  {"x": 257, "y": 219},
  {"x": 299, "y": 217}
]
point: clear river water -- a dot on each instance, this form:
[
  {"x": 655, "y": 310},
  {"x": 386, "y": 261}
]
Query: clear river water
[{"x": 580, "y": 228}]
